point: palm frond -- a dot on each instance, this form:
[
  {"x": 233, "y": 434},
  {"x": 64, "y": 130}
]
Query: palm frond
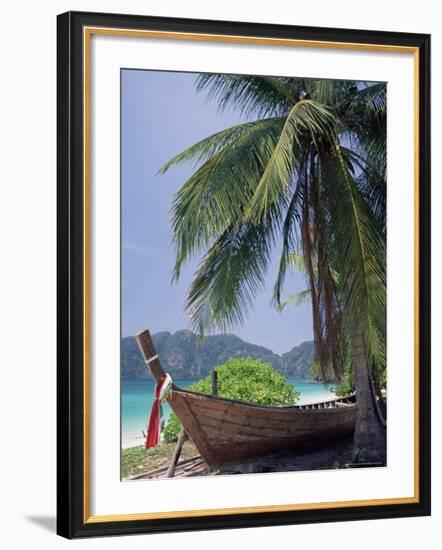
[
  {"x": 218, "y": 193},
  {"x": 307, "y": 117},
  {"x": 229, "y": 276},
  {"x": 371, "y": 184},
  {"x": 333, "y": 93},
  {"x": 209, "y": 146},
  {"x": 374, "y": 98},
  {"x": 368, "y": 117},
  {"x": 360, "y": 255},
  {"x": 375, "y": 146},
  {"x": 295, "y": 299},
  {"x": 297, "y": 261},
  {"x": 252, "y": 95},
  {"x": 290, "y": 236}
]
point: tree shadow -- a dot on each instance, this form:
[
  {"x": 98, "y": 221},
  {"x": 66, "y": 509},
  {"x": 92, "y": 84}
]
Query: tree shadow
[{"x": 48, "y": 523}]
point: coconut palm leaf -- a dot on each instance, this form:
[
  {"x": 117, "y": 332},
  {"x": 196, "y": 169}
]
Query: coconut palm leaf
[
  {"x": 209, "y": 146},
  {"x": 370, "y": 182},
  {"x": 369, "y": 117},
  {"x": 295, "y": 299},
  {"x": 297, "y": 261},
  {"x": 229, "y": 276},
  {"x": 333, "y": 93},
  {"x": 360, "y": 255},
  {"x": 306, "y": 117},
  {"x": 252, "y": 95},
  {"x": 375, "y": 145},
  {"x": 374, "y": 99},
  {"x": 219, "y": 192},
  {"x": 290, "y": 235}
]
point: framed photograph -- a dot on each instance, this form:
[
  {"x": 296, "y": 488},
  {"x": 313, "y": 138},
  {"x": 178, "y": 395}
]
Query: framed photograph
[{"x": 243, "y": 274}]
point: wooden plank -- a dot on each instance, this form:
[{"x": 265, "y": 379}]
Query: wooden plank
[
  {"x": 162, "y": 469},
  {"x": 260, "y": 431},
  {"x": 238, "y": 408},
  {"x": 238, "y": 402},
  {"x": 216, "y": 432},
  {"x": 214, "y": 383},
  {"x": 194, "y": 465},
  {"x": 192, "y": 427},
  {"x": 176, "y": 455},
  {"x": 214, "y": 429},
  {"x": 147, "y": 350},
  {"x": 246, "y": 417}
]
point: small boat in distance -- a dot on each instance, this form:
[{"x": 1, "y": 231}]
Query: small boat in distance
[{"x": 227, "y": 431}]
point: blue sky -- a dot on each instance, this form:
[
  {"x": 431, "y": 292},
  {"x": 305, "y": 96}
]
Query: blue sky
[{"x": 162, "y": 114}]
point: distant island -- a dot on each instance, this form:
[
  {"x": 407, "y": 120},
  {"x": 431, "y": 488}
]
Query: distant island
[{"x": 184, "y": 356}]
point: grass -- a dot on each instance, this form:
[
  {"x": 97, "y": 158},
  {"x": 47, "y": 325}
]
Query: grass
[{"x": 138, "y": 460}]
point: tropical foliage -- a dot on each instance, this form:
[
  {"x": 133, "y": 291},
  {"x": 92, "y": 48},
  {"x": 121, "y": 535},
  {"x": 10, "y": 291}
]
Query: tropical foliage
[
  {"x": 308, "y": 174},
  {"x": 347, "y": 385},
  {"x": 248, "y": 380},
  {"x": 305, "y": 172}
]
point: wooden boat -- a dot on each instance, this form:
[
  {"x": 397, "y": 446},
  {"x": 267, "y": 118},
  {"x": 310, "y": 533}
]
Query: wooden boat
[{"x": 227, "y": 431}]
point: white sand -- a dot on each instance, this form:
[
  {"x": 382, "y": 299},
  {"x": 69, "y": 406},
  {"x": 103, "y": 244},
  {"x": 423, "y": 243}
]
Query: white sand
[{"x": 132, "y": 442}]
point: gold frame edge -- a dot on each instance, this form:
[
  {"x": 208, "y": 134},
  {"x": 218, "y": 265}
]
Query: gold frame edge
[{"x": 87, "y": 33}]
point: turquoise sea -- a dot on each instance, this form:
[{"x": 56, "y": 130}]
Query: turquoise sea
[{"x": 137, "y": 398}]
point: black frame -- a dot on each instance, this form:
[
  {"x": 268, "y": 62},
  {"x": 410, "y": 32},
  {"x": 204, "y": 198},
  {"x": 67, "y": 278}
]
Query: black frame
[{"x": 70, "y": 291}]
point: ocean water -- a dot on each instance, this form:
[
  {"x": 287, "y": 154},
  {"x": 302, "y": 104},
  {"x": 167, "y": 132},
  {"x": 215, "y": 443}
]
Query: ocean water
[{"x": 137, "y": 398}]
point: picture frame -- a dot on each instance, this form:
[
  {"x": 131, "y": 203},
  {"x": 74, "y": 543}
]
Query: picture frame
[{"x": 75, "y": 160}]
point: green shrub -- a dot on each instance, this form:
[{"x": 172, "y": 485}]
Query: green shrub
[
  {"x": 172, "y": 429},
  {"x": 248, "y": 380},
  {"x": 347, "y": 386},
  {"x": 344, "y": 389}
]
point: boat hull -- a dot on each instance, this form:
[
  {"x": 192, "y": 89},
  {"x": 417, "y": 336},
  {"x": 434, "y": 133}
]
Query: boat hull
[{"x": 228, "y": 431}]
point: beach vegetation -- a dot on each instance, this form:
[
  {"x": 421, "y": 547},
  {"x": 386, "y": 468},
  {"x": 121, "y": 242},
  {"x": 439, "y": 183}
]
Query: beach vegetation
[
  {"x": 249, "y": 380},
  {"x": 139, "y": 460}
]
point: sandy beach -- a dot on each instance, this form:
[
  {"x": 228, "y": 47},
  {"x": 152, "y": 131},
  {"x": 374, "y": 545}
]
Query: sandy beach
[{"x": 132, "y": 442}]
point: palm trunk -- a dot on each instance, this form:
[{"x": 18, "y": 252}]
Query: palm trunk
[{"x": 369, "y": 438}]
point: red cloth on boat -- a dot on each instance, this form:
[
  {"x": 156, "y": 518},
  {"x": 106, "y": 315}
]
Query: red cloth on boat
[{"x": 153, "y": 431}]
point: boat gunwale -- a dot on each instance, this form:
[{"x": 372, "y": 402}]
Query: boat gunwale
[{"x": 288, "y": 408}]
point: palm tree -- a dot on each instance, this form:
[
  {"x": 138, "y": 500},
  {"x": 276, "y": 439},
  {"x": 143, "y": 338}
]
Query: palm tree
[{"x": 306, "y": 172}]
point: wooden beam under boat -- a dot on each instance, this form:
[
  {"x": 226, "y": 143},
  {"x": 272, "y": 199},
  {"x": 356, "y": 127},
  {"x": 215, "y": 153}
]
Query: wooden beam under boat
[{"x": 226, "y": 430}]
